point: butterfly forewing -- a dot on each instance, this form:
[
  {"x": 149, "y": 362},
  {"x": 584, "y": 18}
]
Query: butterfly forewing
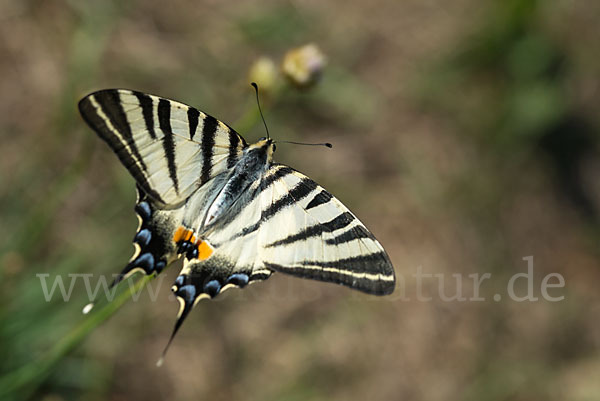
[
  {"x": 323, "y": 240},
  {"x": 170, "y": 149}
]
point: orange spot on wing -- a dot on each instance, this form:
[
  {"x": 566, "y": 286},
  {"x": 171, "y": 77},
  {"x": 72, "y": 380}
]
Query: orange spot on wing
[
  {"x": 204, "y": 250},
  {"x": 179, "y": 233},
  {"x": 183, "y": 234}
]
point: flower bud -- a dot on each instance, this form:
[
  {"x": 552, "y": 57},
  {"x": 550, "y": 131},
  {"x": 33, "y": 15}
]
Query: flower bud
[
  {"x": 303, "y": 65},
  {"x": 264, "y": 73}
]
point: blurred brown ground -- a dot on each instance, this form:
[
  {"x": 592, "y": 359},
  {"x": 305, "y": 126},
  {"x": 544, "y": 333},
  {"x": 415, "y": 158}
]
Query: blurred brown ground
[{"x": 435, "y": 195}]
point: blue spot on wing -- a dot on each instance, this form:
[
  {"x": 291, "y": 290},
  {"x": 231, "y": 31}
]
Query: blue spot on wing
[
  {"x": 239, "y": 279},
  {"x": 146, "y": 262},
  {"x": 212, "y": 288},
  {"x": 179, "y": 280},
  {"x": 188, "y": 293},
  {"x": 143, "y": 209},
  {"x": 143, "y": 237}
]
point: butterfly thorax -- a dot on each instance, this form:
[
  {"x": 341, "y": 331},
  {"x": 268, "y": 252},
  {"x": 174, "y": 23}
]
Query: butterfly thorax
[{"x": 248, "y": 170}]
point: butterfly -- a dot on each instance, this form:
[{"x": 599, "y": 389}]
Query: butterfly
[{"x": 224, "y": 206}]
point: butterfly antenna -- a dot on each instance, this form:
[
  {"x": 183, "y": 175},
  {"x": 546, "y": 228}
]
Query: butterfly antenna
[
  {"x": 255, "y": 86},
  {"x": 327, "y": 144}
]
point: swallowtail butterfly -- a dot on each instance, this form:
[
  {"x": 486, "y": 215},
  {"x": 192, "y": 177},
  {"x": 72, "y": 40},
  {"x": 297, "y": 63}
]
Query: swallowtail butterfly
[{"x": 225, "y": 206}]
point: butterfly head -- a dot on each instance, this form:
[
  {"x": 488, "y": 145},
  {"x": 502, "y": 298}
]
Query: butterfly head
[{"x": 266, "y": 145}]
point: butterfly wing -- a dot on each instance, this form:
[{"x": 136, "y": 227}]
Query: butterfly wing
[
  {"x": 307, "y": 232},
  {"x": 169, "y": 148},
  {"x": 286, "y": 223},
  {"x": 154, "y": 248}
]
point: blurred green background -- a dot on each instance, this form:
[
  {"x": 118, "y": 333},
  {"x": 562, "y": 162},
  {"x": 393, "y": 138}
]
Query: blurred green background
[{"x": 465, "y": 137}]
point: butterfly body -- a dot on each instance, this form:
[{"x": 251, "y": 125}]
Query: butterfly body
[
  {"x": 248, "y": 170},
  {"x": 231, "y": 212}
]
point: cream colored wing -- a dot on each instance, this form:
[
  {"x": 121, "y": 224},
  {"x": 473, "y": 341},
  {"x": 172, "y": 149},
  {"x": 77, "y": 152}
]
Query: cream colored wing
[
  {"x": 170, "y": 149},
  {"x": 286, "y": 223}
]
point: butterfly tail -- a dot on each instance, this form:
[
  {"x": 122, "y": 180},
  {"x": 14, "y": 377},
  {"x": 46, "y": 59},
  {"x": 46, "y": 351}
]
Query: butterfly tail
[{"x": 188, "y": 290}]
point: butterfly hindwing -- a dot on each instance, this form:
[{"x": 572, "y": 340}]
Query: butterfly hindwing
[
  {"x": 154, "y": 248},
  {"x": 170, "y": 149}
]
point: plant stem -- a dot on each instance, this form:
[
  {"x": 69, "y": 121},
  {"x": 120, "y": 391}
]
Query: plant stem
[{"x": 25, "y": 380}]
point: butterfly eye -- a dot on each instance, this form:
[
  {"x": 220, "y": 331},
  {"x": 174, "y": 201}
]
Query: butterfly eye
[
  {"x": 274, "y": 147},
  {"x": 264, "y": 138}
]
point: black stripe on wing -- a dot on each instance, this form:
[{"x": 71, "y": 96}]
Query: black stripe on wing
[
  {"x": 164, "y": 121},
  {"x": 355, "y": 232},
  {"x": 234, "y": 143},
  {"x": 341, "y": 221},
  {"x": 208, "y": 142},
  {"x": 193, "y": 116},
  {"x": 319, "y": 199},
  {"x": 299, "y": 192},
  {"x": 147, "y": 112},
  {"x": 279, "y": 171},
  {"x": 115, "y": 130},
  {"x": 372, "y": 273}
]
